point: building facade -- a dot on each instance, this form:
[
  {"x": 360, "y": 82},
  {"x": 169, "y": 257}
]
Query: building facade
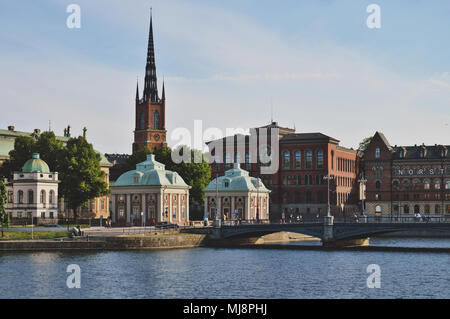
[
  {"x": 33, "y": 193},
  {"x": 404, "y": 180},
  {"x": 148, "y": 195},
  {"x": 237, "y": 196},
  {"x": 299, "y": 187},
  {"x": 150, "y": 121}
]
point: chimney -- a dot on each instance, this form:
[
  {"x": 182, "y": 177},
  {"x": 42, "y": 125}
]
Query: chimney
[{"x": 11, "y": 128}]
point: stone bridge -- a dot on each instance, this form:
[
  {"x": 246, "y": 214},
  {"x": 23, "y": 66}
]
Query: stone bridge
[{"x": 331, "y": 234}]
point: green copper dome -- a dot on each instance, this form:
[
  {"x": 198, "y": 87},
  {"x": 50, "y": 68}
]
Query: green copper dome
[{"x": 35, "y": 165}]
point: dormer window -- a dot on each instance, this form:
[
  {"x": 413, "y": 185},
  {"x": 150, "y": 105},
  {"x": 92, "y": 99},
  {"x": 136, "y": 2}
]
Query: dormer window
[
  {"x": 401, "y": 154},
  {"x": 227, "y": 184},
  {"x": 421, "y": 153}
]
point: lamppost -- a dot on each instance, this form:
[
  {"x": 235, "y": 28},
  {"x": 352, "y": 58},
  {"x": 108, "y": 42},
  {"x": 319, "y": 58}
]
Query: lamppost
[
  {"x": 328, "y": 178},
  {"x": 257, "y": 200},
  {"x": 163, "y": 213},
  {"x": 218, "y": 218},
  {"x": 363, "y": 182}
]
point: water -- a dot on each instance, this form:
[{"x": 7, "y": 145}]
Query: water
[{"x": 230, "y": 273}]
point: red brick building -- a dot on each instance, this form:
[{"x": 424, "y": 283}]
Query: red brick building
[
  {"x": 298, "y": 186},
  {"x": 404, "y": 180},
  {"x": 150, "y": 126}
]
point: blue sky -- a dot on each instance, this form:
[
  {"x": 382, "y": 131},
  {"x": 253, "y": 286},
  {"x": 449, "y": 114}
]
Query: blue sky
[{"x": 226, "y": 63}]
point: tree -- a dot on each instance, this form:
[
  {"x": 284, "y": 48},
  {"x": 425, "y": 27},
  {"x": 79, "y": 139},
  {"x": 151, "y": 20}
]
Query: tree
[
  {"x": 362, "y": 148},
  {"x": 80, "y": 173},
  {"x": 4, "y": 217}
]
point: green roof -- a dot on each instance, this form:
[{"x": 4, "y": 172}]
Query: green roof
[
  {"x": 236, "y": 179},
  {"x": 35, "y": 165},
  {"x": 150, "y": 173}
]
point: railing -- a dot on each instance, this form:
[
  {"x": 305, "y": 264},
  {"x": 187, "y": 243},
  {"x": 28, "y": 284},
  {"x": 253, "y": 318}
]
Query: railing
[{"x": 349, "y": 219}]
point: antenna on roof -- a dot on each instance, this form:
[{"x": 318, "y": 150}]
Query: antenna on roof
[
  {"x": 271, "y": 111},
  {"x": 49, "y": 125}
]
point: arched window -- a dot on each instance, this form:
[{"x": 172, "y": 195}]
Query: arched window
[
  {"x": 377, "y": 152},
  {"x": 377, "y": 184},
  {"x": 42, "y": 196},
  {"x": 30, "y": 197},
  {"x": 437, "y": 184},
  {"x": 426, "y": 184},
  {"x": 319, "y": 163},
  {"x": 156, "y": 120},
  {"x": 297, "y": 159},
  {"x": 20, "y": 197},
  {"x": 142, "y": 121},
  {"x": 437, "y": 209},
  {"x": 286, "y": 159},
  {"x": 447, "y": 184},
  {"x": 51, "y": 196}
]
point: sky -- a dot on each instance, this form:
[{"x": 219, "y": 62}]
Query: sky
[{"x": 312, "y": 65}]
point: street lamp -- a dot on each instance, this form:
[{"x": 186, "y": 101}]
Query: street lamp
[
  {"x": 257, "y": 200},
  {"x": 217, "y": 215},
  {"x": 363, "y": 182},
  {"x": 328, "y": 178}
]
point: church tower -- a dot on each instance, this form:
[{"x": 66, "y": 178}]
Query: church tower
[{"x": 150, "y": 126}]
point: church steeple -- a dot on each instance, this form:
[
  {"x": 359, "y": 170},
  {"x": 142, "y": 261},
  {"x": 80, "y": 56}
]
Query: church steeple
[
  {"x": 163, "y": 93},
  {"x": 150, "y": 87},
  {"x": 137, "y": 90}
]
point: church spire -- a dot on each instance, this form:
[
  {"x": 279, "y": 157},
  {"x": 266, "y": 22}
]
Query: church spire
[
  {"x": 150, "y": 87},
  {"x": 137, "y": 90},
  {"x": 163, "y": 92}
]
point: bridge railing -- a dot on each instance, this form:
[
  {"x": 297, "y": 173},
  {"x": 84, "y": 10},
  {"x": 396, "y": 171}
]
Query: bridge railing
[
  {"x": 394, "y": 219},
  {"x": 349, "y": 219}
]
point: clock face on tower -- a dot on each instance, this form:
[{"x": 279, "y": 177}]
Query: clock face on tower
[{"x": 156, "y": 137}]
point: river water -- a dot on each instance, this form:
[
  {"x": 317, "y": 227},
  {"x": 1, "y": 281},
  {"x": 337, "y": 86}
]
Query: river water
[{"x": 230, "y": 273}]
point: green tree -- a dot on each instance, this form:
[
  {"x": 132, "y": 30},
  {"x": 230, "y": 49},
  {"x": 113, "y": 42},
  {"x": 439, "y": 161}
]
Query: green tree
[
  {"x": 80, "y": 173},
  {"x": 50, "y": 150},
  {"x": 362, "y": 148},
  {"x": 4, "y": 217}
]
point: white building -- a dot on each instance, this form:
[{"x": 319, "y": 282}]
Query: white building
[
  {"x": 34, "y": 193},
  {"x": 150, "y": 194},
  {"x": 237, "y": 196}
]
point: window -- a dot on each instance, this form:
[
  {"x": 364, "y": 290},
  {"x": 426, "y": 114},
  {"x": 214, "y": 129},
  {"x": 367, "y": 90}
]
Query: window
[
  {"x": 308, "y": 155},
  {"x": 10, "y": 197},
  {"x": 377, "y": 152},
  {"x": 447, "y": 185},
  {"x": 156, "y": 120},
  {"x": 51, "y": 196},
  {"x": 142, "y": 121},
  {"x": 30, "y": 197},
  {"x": 377, "y": 184},
  {"x": 42, "y": 196},
  {"x": 298, "y": 159},
  {"x": 426, "y": 184},
  {"x": 319, "y": 163},
  {"x": 406, "y": 209},
  {"x": 437, "y": 184},
  {"x": 437, "y": 209},
  {"x": 43, "y": 215},
  {"x": 286, "y": 160}
]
